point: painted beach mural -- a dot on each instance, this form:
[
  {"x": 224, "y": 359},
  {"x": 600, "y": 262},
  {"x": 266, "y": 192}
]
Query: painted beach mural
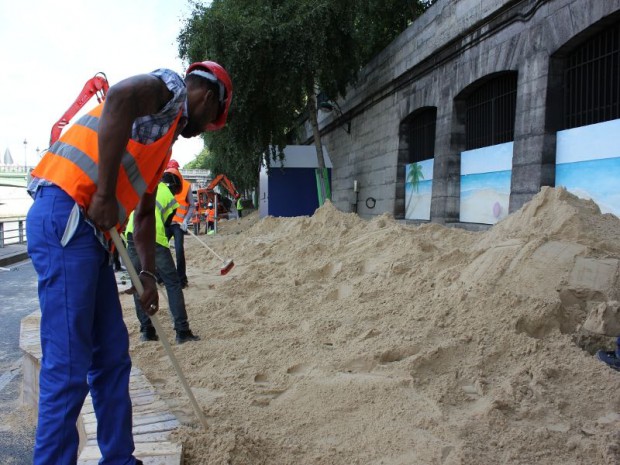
[
  {"x": 588, "y": 163},
  {"x": 485, "y": 183},
  {"x": 418, "y": 190}
]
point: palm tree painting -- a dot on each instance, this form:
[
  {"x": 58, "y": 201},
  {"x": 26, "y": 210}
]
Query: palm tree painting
[
  {"x": 414, "y": 176},
  {"x": 418, "y": 181}
]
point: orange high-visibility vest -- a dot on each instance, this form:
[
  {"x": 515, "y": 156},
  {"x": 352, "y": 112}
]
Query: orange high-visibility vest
[
  {"x": 210, "y": 214},
  {"x": 181, "y": 197},
  {"x": 72, "y": 163}
]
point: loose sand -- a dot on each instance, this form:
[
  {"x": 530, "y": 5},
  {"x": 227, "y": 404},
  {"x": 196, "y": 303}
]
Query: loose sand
[{"x": 340, "y": 341}]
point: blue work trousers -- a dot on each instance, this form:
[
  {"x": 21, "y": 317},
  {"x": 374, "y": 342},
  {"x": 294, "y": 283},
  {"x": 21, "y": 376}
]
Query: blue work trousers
[
  {"x": 166, "y": 270},
  {"x": 84, "y": 339}
]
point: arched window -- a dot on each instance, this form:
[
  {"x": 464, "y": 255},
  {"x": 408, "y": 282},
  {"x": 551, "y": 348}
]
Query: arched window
[
  {"x": 422, "y": 135},
  {"x": 414, "y": 170},
  {"x": 592, "y": 80},
  {"x": 490, "y": 112}
]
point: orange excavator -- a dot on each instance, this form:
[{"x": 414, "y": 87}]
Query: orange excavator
[
  {"x": 97, "y": 86},
  {"x": 207, "y": 195}
]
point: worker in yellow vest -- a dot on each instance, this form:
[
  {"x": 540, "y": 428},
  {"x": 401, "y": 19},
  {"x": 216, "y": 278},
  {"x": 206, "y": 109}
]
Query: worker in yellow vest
[
  {"x": 181, "y": 220},
  {"x": 239, "y": 207},
  {"x": 166, "y": 205}
]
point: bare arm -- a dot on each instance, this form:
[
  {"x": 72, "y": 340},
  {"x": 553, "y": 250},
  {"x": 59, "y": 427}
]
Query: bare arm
[
  {"x": 144, "y": 239},
  {"x": 129, "y": 99}
]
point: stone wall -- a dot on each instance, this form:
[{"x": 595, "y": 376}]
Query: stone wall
[{"x": 452, "y": 47}]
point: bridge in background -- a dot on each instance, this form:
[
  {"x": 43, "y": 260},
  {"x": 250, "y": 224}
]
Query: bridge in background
[
  {"x": 13, "y": 176},
  {"x": 198, "y": 178}
]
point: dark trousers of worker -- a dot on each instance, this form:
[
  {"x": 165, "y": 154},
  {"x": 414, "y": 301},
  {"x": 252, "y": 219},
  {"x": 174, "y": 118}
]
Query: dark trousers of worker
[
  {"x": 174, "y": 230},
  {"x": 168, "y": 274},
  {"x": 84, "y": 340}
]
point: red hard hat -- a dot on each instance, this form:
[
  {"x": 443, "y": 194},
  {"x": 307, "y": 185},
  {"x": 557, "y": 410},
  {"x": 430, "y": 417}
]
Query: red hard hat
[
  {"x": 173, "y": 179},
  {"x": 174, "y": 171},
  {"x": 223, "y": 78},
  {"x": 173, "y": 164}
]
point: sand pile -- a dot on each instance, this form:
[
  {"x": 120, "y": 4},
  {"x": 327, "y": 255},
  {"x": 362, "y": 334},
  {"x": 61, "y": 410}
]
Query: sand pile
[{"x": 340, "y": 341}]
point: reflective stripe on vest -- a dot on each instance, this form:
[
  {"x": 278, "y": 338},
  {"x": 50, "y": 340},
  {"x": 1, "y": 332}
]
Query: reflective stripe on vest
[
  {"x": 72, "y": 164},
  {"x": 179, "y": 216},
  {"x": 165, "y": 204}
]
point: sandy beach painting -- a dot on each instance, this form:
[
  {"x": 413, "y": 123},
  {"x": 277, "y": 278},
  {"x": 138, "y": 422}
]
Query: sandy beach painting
[
  {"x": 418, "y": 190},
  {"x": 485, "y": 183},
  {"x": 588, "y": 163}
]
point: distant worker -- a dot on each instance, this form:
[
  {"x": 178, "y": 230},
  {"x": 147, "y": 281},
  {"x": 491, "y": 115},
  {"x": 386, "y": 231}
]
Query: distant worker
[
  {"x": 210, "y": 218},
  {"x": 166, "y": 204},
  {"x": 180, "y": 222},
  {"x": 196, "y": 220},
  {"x": 239, "y": 207},
  {"x": 103, "y": 167}
]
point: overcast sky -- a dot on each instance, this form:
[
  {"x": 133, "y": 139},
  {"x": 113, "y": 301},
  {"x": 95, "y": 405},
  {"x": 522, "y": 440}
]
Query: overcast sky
[{"x": 49, "y": 49}]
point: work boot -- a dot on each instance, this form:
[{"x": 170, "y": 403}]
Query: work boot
[
  {"x": 610, "y": 358},
  {"x": 149, "y": 334},
  {"x": 186, "y": 336},
  {"x": 139, "y": 462}
]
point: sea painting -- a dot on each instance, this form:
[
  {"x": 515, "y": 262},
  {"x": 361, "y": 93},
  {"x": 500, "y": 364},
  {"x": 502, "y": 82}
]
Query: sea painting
[
  {"x": 485, "y": 183},
  {"x": 588, "y": 163}
]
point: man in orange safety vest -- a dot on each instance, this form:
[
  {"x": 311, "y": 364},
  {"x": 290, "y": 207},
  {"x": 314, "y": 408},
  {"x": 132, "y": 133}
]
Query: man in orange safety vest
[
  {"x": 182, "y": 217},
  {"x": 106, "y": 165}
]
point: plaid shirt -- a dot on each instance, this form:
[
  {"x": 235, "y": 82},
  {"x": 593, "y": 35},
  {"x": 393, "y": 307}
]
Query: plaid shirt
[{"x": 146, "y": 129}]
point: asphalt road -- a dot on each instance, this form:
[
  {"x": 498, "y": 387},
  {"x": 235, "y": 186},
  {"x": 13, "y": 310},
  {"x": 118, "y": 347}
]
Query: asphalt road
[{"x": 18, "y": 298}]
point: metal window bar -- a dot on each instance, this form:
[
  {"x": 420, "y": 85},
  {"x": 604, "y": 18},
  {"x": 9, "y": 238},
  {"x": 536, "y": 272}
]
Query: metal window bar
[
  {"x": 592, "y": 80},
  {"x": 422, "y": 136},
  {"x": 490, "y": 113}
]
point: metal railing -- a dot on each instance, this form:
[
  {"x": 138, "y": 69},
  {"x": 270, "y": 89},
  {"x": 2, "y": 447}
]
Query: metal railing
[
  {"x": 14, "y": 169},
  {"x": 12, "y": 231}
]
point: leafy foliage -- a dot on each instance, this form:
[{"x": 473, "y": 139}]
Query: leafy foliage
[
  {"x": 380, "y": 22},
  {"x": 279, "y": 52}
]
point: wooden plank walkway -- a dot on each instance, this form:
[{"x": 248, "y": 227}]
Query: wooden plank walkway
[{"x": 152, "y": 421}]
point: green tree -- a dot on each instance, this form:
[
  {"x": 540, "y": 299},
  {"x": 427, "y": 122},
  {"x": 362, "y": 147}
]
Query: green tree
[
  {"x": 379, "y": 22},
  {"x": 200, "y": 162},
  {"x": 280, "y": 53}
]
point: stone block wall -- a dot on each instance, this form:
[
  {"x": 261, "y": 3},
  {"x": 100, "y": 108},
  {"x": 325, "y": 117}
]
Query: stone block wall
[{"x": 434, "y": 63}]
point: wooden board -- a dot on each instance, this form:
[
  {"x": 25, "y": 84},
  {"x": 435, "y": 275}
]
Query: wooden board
[{"x": 152, "y": 421}]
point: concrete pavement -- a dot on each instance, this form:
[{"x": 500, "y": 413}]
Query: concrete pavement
[
  {"x": 18, "y": 297},
  {"x": 12, "y": 253}
]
